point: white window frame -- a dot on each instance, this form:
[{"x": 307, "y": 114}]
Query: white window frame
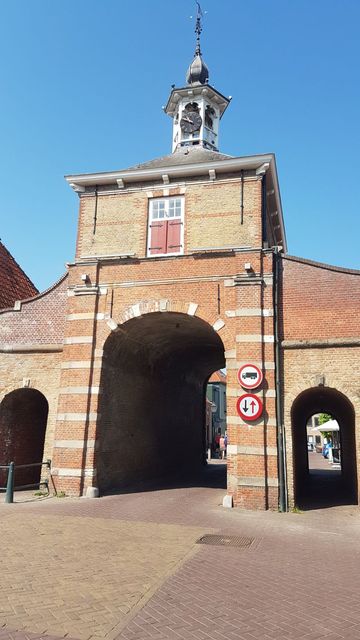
[{"x": 166, "y": 200}]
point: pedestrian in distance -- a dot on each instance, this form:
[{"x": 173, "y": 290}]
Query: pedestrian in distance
[{"x": 222, "y": 447}]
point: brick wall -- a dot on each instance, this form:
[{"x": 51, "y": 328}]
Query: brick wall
[
  {"x": 321, "y": 339},
  {"x": 31, "y": 341},
  {"x": 40, "y": 320},
  {"x": 319, "y": 301},
  {"x": 117, "y": 223}
]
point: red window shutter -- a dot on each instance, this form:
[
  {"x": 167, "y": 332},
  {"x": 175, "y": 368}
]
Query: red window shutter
[
  {"x": 157, "y": 240},
  {"x": 174, "y": 236}
]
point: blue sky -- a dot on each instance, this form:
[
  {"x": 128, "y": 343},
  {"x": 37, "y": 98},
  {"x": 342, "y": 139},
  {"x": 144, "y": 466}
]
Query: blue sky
[{"x": 83, "y": 83}]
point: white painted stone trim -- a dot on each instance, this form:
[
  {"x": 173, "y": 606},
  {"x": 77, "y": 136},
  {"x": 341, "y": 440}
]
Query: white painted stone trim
[
  {"x": 74, "y": 444},
  {"x": 192, "y": 308},
  {"x": 112, "y": 324},
  {"x": 257, "y": 482},
  {"x": 85, "y": 316},
  {"x": 136, "y": 310},
  {"x": 79, "y": 391},
  {"x": 78, "y": 340},
  {"x": 77, "y": 417},
  {"x": 236, "y": 420},
  {"x": 230, "y": 354},
  {"x": 74, "y": 473},
  {"x": 246, "y": 313},
  {"x": 236, "y": 364},
  {"x": 254, "y": 337},
  {"x": 235, "y": 392},
  {"x": 80, "y": 364},
  {"x": 234, "y": 449},
  {"x": 218, "y": 324}
]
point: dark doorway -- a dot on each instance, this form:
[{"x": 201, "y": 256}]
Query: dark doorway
[
  {"x": 317, "y": 484},
  {"x": 153, "y": 404},
  {"x": 23, "y": 418}
]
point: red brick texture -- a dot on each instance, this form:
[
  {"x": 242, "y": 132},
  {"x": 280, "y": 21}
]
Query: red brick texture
[
  {"x": 321, "y": 352},
  {"x": 15, "y": 284},
  {"x": 40, "y": 320},
  {"x": 319, "y": 301}
]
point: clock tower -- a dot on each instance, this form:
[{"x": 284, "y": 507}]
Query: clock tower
[{"x": 197, "y": 108}]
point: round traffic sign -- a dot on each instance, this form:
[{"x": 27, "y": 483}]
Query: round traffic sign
[
  {"x": 249, "y": 406},
  {"x": 250, "y": 376}
]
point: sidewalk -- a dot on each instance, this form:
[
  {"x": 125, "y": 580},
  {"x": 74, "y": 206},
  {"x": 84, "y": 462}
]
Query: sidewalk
[{"x": 128, "y": 567}]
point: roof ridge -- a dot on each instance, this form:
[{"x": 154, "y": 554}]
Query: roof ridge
[{"x": 17, "y": 265}]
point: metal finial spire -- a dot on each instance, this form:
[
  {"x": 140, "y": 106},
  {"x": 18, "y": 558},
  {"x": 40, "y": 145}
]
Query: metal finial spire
[
  {"x": 198, "y": 28},
  {"x": 197, "y": 73}
]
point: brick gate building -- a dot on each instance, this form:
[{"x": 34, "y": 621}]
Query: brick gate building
[{"x": 181, "y": 268}]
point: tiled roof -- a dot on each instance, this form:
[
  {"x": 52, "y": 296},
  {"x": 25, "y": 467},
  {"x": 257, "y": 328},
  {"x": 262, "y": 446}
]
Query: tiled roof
[
  {"x": 218, "y": 376},
  {"x": 14, "y": 283}
]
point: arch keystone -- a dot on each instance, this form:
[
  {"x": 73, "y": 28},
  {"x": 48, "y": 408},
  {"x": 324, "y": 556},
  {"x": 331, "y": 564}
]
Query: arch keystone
[{"x": 163, "y": 305}]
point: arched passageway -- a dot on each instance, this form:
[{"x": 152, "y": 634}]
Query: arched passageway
[
  {"x": 152, "y": 409},
  {"x": 324, "y": 487},
  {"x": 23, "y": 418}
]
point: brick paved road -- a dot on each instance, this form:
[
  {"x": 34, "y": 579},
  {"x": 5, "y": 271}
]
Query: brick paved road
[{"x": 126, "y": 567}]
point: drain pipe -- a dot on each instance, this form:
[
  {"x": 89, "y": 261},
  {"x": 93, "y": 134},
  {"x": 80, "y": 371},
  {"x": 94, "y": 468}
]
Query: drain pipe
[{"x": 280, "y": 431}]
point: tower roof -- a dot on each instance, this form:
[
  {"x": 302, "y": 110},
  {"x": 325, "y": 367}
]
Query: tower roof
[
  {"x": 14, "y": 283},
  {"x": 198, "y": 72}
]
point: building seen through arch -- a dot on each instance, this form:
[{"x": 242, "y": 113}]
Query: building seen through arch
[
  {"x": 319, "y": 483},
  {"x": 181, "y": 269}
]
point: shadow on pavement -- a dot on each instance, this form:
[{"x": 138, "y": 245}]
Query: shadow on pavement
[
  {"x": 323, "y": 489},
  {"x": 212, "y": 475}
]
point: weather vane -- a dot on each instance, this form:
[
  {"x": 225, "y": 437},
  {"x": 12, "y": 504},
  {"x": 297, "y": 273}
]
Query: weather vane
[{"x": 198, "y": 27}]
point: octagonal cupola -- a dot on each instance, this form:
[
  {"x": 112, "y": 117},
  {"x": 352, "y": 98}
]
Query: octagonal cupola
[{"x": 197, "y": 108}]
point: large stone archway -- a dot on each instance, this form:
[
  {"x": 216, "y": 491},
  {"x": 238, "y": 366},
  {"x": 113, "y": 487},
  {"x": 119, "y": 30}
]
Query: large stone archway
[
  {"x": 339, "y": 491},
  {"x": 152, "y": 407}
]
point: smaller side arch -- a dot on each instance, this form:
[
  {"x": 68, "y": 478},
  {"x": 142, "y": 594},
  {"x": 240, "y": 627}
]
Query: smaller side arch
[
  {"x": 23, "y": 420},
  {"x": 308, "y": 403}
]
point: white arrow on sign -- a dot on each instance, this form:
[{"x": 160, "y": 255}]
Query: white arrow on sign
[{"x": 249, "y": 407}]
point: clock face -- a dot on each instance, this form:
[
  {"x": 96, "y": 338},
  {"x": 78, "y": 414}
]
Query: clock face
[{"x": 190, "y": 121}]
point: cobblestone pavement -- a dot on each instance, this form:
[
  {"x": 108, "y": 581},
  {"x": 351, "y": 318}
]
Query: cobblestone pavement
[{"x": 127, "y": 567}]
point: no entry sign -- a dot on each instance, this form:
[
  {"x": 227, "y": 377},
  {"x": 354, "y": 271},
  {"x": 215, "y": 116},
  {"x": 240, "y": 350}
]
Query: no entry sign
[
  {"x": 249, "y": 407},
  {"x": 250, "y": 376}
]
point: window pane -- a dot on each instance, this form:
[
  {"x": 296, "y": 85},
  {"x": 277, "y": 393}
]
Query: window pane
[
  {"x": 171, "y": 208},
  {"x": 174, "y": 208}
]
